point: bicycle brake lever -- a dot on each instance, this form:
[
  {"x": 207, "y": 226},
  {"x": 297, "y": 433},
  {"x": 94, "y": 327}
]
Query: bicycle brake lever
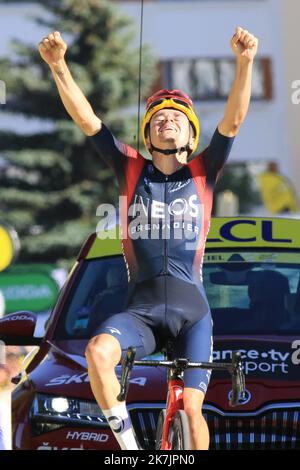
[
  {"x": 238, "y": 380},
  {"x": 127, "y": 365}
]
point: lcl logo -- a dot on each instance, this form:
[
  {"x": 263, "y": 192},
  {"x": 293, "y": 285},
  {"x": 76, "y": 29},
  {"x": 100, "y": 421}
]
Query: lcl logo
[
  {"x": 266, "y": 232},
  {"x": 246, "y": 400}
]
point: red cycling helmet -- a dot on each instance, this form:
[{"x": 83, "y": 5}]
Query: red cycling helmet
[{"x": 175, "y": 99}]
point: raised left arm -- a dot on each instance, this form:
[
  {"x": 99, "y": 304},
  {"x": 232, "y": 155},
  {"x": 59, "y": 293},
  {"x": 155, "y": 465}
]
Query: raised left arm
[{"x": 244, "y": 45}]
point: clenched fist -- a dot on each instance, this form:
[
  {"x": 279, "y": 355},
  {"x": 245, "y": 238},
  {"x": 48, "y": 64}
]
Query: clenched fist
[
  {"x": 52, "y": 48},
  {"x": 244, "y": 44}
]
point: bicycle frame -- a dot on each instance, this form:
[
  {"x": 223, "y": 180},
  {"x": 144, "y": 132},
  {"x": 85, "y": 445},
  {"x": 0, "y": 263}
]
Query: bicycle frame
[
  {"x": 174, "y": 403},
  {"x": 176, "y": 383}
]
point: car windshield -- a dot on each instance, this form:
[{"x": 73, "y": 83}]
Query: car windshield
[
  {"x": 100, "y": 290},
  {"x": 250, "y": 297},
  {"x": 246, "y": 297}
]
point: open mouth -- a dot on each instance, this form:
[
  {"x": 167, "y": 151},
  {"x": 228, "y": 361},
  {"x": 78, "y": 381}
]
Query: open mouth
[{"x": 168, "y": 129}]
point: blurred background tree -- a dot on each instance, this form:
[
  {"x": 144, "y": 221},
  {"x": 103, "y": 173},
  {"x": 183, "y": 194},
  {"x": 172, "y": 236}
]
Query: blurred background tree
[
  {"x": 238, "y": 179},
  {"x": 51, "y": 182}
]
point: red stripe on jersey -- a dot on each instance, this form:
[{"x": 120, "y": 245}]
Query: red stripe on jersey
[
  {"x": 205, "y": 196},
  {"x": 133, "y": 168}
]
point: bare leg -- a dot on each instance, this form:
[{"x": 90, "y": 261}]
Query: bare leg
[
  {"x": 193, "y": 401},
  {"x": 103, "y": 354}
]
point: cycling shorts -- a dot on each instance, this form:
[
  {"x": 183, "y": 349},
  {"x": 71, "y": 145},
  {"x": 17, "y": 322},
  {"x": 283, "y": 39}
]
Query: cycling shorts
[{"x": 165, "y": 309}]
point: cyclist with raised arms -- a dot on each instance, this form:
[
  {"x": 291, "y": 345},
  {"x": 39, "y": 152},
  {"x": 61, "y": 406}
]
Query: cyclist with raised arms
[{"x": 165, "y": 220}]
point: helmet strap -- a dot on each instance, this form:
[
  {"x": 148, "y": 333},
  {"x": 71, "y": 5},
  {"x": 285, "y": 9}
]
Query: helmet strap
[
  {"x": 179, "y": 150},
  {"x": 169, "y": 151}
]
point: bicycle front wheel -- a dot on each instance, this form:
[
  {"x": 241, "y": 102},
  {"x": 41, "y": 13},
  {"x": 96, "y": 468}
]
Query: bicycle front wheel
[
  {"x": 180, "y": 432},
  {"x": 159, "y": 429}
]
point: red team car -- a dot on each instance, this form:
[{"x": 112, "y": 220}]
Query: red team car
[{"x": 252, "y": 280}]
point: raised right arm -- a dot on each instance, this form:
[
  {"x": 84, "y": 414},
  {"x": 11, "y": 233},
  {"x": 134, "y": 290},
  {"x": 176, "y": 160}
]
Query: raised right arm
[{"x": 52, "y": 50}]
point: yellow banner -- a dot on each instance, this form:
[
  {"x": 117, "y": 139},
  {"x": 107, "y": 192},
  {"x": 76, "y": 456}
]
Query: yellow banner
[
  {"x": 227, "y": 232},
  {"x": 254, "y": 232}
]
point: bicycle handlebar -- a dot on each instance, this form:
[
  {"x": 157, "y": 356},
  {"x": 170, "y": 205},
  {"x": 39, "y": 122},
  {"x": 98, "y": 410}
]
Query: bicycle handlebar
[{"x": 235, "y": 368}]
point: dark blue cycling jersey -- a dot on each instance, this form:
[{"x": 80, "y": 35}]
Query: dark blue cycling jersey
[{"x": 165, "y": 221}]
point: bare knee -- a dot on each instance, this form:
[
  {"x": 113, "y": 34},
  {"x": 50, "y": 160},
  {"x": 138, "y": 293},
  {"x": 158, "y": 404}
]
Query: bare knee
[
  {"x": 193, "y": 413},
  {"x": 103, "y": 352},
  {"x": 193, "y": 401}
]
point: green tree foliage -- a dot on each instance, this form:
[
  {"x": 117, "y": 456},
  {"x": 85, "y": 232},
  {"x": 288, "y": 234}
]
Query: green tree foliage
[
  {"x": 52, "y": 181},
  {"x": 238, "y": 179}
]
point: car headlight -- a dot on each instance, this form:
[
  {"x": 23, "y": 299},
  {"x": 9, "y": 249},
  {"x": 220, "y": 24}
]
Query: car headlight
[{"x": 52, "y": 412}]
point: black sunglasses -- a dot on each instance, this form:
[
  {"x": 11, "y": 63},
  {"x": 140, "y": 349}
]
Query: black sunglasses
[{"x": 156, "y": 103}]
